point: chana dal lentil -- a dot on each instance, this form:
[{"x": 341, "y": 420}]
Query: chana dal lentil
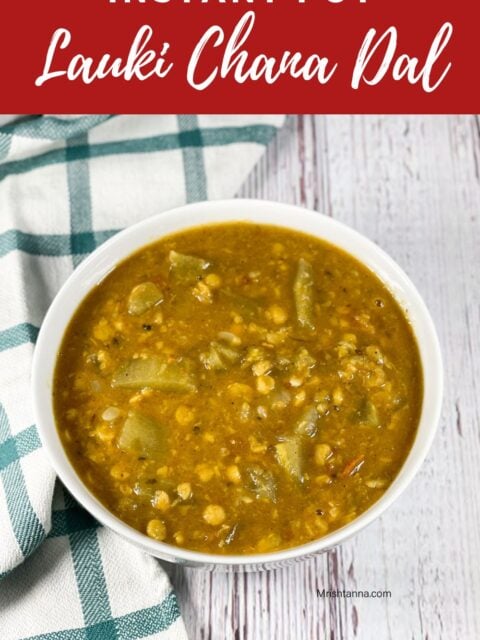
[{"x": 238, "y": 388}]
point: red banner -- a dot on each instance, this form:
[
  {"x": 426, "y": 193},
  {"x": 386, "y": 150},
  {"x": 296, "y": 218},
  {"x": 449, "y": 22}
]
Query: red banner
[{"x": 318, "y": 56}]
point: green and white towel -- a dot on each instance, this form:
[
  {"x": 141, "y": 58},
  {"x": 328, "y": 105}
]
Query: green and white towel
[{"x": 66, "y": 185}]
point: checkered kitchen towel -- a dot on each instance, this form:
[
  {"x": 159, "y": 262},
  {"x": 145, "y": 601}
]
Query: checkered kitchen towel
[{"x": 66, "y": 185}]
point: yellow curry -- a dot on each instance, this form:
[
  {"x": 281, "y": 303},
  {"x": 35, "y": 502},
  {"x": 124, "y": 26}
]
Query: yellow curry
[{"x": 238, "y": 388}]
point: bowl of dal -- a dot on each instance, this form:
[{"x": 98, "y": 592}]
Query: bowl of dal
[{"x": 237, "y": 384}]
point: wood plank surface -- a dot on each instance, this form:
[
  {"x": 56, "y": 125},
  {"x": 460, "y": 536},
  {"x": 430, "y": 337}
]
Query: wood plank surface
[{"x": 411, "y": 184}]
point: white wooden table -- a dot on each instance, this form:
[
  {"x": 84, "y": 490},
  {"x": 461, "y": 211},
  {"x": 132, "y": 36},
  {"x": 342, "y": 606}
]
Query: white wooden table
[{"x": 412, "y": 184}]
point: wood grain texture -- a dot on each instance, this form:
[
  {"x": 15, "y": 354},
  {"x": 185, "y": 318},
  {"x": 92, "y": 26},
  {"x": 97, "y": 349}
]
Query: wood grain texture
[{"x": 412, "y": 184}]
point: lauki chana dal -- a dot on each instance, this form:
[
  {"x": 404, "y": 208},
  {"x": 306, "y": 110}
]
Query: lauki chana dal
[{"x": 238, "y": 388}]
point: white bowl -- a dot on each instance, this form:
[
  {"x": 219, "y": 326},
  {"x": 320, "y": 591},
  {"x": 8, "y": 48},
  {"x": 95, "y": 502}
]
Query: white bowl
[{"x": 104, "y": 259}]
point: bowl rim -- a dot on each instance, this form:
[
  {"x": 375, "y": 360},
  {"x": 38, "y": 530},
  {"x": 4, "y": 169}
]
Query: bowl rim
[{"x": 257, "y": 211}]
